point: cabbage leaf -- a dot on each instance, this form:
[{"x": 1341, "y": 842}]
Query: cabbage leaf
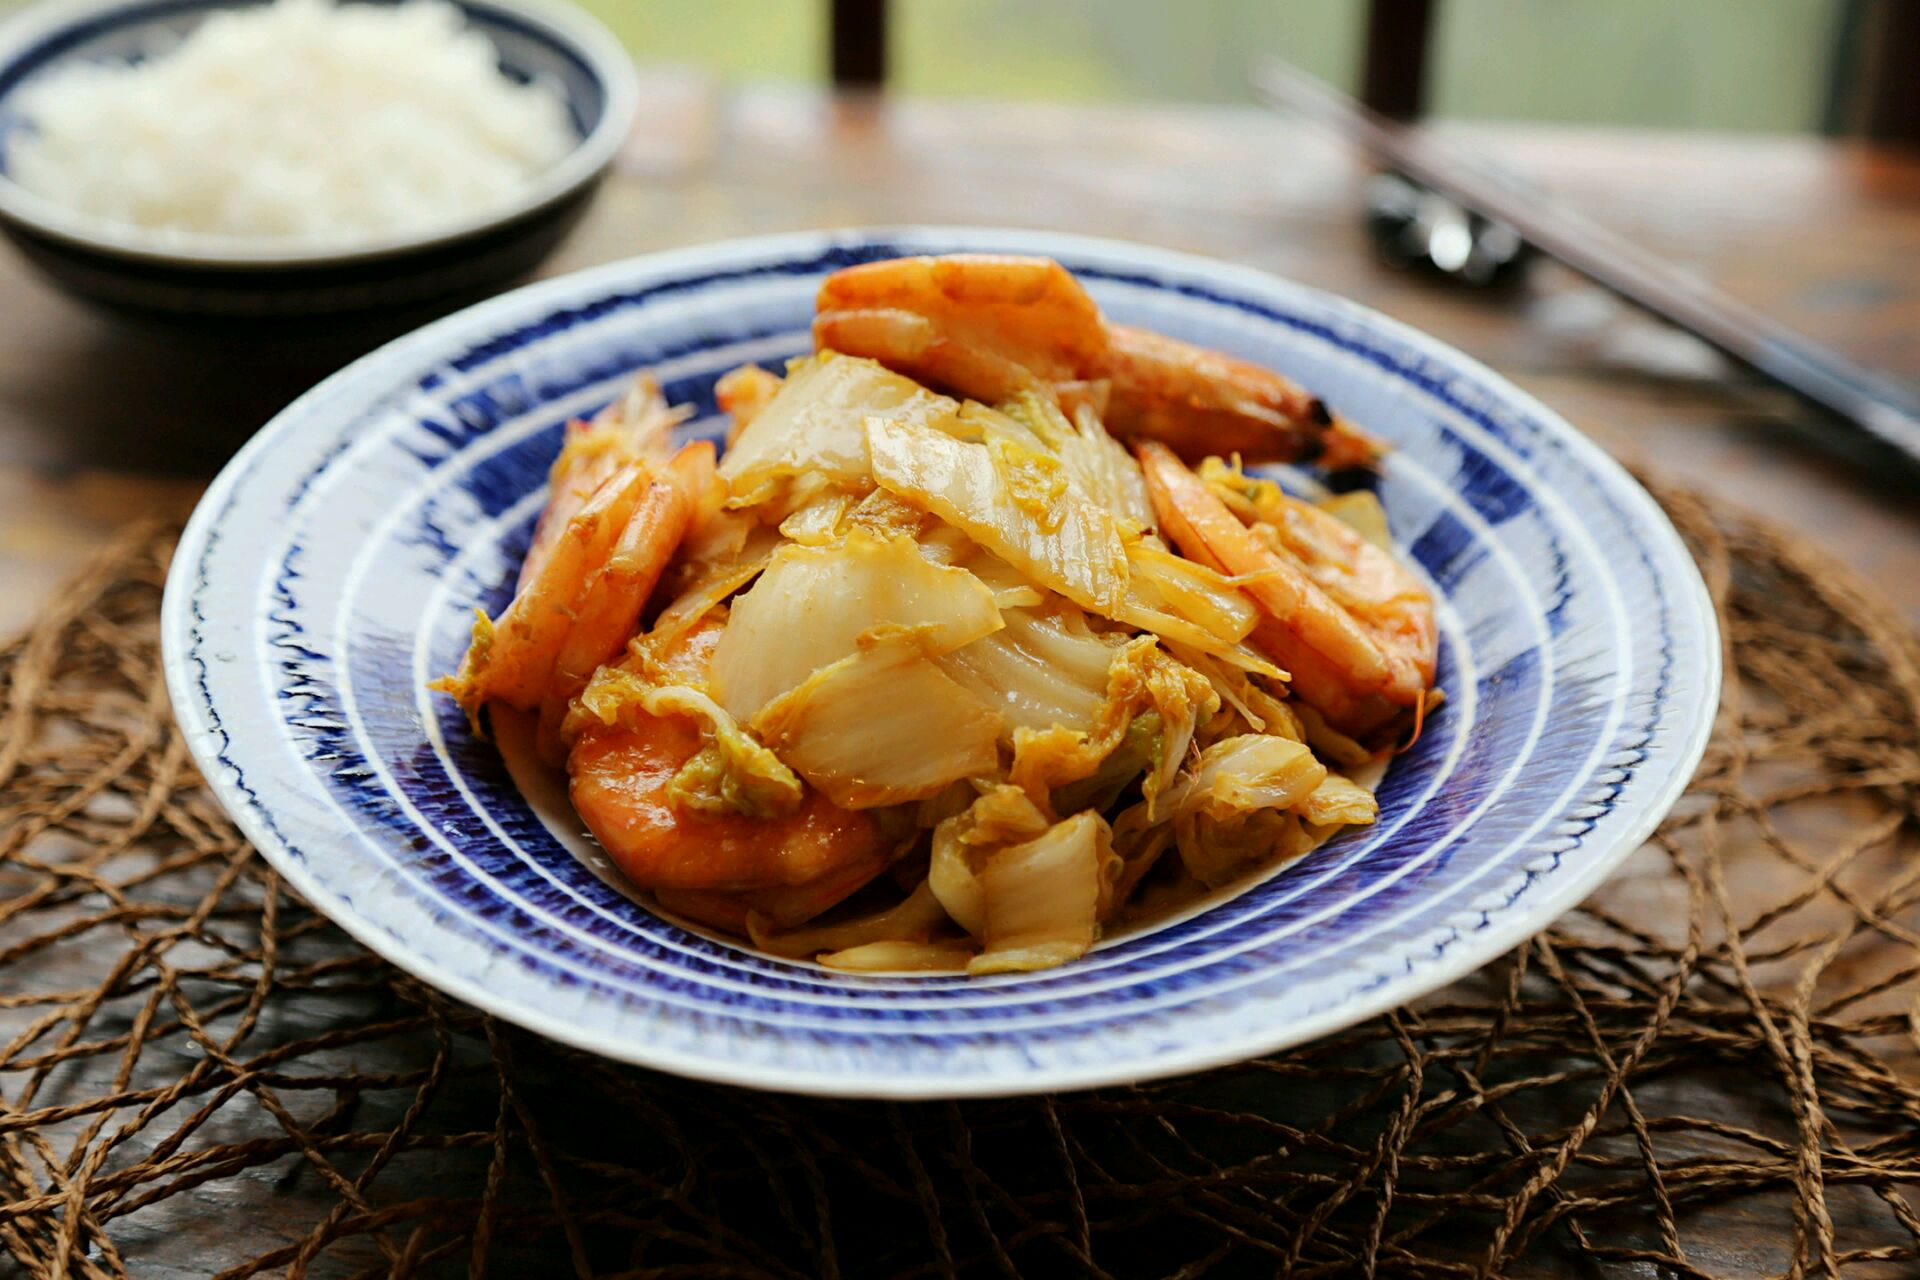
[
  {"x": 812, "y": 605},
  {"x": 730, "y": 773},
  {"x": 1340, "y": 801},
  {"x": 882, "y": 726},
  {"x": 1001, "y": 815},
  {"x": 1239, "y": 775},
  {"x": 1099, "y": 466},
  {"x": 1141, "y": 677},
  {"x": 1043, "y": 669},
  {"x": 1042, "y": 901},
  {"x": 1006, "y": 500},
  {"x": 814, "y": 424}
]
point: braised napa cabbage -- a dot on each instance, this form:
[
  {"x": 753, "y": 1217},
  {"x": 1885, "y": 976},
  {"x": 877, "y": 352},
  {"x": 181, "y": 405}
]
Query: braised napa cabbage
[
  {"x": 815, "y": 424},
  {"x": 1007, "y": 500},
  {"x": 1044, "y": 668},
  {"x": 1042, "y": 901},
  {"x": 811, "y": 605},
  {"x": 957, "y": 674},
  {"x": 882, "y": 726}
]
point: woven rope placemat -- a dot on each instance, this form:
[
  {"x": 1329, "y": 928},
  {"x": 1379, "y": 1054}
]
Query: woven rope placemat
[{"x": 1712, "y": 1068}]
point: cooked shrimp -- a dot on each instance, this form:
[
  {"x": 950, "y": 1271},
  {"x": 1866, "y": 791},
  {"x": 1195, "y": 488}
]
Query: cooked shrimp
[
  {"x": 1201, "y": 402},
  {"x": 742, "y": 393},
  {"x": 805, "y": 859},
  {"x": 1354, "y": 630},
  {"x": 994, "y": 327},
  {"x": 632, "y": 428},
  {"x": 611, "y": 526},
  {"x": 620, "y": 775},
  {"x": 614, "y": 597},
  {"x": 990, "y": 327}
]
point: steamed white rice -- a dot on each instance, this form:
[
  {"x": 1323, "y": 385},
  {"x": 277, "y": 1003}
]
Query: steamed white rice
[{"x": 301, "y": 120}]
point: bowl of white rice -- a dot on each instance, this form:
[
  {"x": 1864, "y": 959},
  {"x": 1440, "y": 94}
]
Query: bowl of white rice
[{"x": 253, "y": 159}]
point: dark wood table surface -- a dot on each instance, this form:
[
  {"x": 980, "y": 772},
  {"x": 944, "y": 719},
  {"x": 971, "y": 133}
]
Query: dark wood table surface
[{"x": 101, "y": 423}]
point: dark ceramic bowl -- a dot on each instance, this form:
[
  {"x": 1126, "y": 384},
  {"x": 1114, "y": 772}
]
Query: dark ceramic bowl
[{"x": 138, "y": 270}]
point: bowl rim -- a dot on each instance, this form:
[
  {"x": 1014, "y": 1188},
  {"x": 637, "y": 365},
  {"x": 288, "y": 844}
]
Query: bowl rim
[
  {"x": 1571, "y": 885},
  {"x": 564, "y": 23}
]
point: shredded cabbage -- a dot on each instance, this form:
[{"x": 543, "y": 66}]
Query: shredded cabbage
[
  {"x": 735, "y": 775},
  {"x": 791, "y": 495},
  {"x": 1262, "y": 712},
  {"x": 715, "y": 536},
  {"x": 1190, "y": 605},
  {"x": 944, "y": 544},
  {"x": 1215, "y": 852},
  {"x": 1239, "y": 775},
  {"x": 1043, "y": 900},
  {"x": 1001, "y": 815},
  {"x": 1173, "y": 584},
  {"x": 1042, "y": 669},
  {"x": 1007, "y": 503},
  {"x": 1142, "y": 676},
  {"x": 1035, "y": 481},
  {"x": 1100, "y": 467},
  {"x": 817, "y": 522},
  {"x": 882, "y": 726},
  {"x": 709, "y": 589},
  {"x": 882, "y": 513},
  {"x": 900, "y": 957},
  {"x": 1010, "y": 587},
  {"x": 954, "y": 874},
  {"x": 1141, "y": 749},
  {"x": 913, "y": 919},
  {"x": 1361, "y": 511},
  {"x": 813, "y": 425},
  {"x": 732, "y": 772},
  {"x": 1327, "y": 741},
  {"x": 1340, "y": 801},
  {"x": 812, "y": 605}
]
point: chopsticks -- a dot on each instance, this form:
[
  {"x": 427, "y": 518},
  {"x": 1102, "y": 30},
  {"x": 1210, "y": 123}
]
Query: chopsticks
[{"x": 1883, "y": 408}]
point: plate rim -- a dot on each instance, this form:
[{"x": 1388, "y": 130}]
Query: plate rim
[{"x": 1692, "y": 605}]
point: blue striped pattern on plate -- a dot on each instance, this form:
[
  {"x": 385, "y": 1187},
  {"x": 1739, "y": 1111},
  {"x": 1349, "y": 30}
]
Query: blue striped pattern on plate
[{"x": 334, "y": 567}]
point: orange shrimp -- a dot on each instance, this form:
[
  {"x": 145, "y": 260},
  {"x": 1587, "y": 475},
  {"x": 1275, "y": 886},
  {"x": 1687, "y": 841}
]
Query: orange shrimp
[
  {"x": 633, "y": 427},
  {"x": 994, "y": 327},
  {"x": 619, "y": 784},
  {"x": 614, "y": 520},
  {"x": 1201, "y": 402},
  {"x": 792, "y": 865},
  {"x": 1355, "y": 631},
  {"x": 987, "y": 326},
  {"x": 742, "y": 393}
]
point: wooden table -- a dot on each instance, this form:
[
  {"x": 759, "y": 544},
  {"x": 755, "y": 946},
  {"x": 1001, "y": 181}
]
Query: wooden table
[{"x": 100, "y": 423}]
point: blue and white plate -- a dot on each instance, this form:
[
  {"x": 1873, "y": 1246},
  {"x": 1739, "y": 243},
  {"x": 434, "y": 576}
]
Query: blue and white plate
[{"x": 334, "y": 566}]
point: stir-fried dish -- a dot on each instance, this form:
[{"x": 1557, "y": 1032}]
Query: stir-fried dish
[{"x": 977, "y": 639}]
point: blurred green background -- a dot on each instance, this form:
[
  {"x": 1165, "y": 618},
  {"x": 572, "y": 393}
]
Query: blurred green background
[
  {"x": 1702, "y": 64},
  {"x": 1698, "y": 64}
]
